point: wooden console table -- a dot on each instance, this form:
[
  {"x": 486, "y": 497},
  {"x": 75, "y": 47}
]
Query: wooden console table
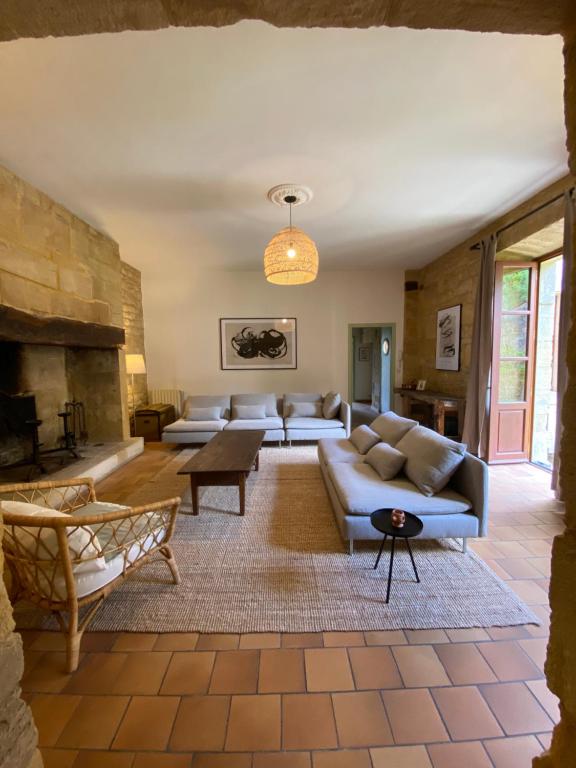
[{"x": 440, "y": 403}]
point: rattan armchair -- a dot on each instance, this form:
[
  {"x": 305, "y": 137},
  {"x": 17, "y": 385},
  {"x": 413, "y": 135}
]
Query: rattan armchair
[{"x": 61, "y": 577}]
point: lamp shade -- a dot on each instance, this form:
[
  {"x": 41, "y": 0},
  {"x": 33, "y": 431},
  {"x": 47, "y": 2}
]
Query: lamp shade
[
  {"x": 291, "y": 258},
  {"x": 135, "y": 364}
]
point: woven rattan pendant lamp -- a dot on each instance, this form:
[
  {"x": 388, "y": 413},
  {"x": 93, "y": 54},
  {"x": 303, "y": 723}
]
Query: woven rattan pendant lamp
[{"x": 291, "y": 257}]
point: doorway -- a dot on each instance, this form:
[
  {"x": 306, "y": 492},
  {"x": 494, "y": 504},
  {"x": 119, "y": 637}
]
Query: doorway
[
  {"x": 525, "y": 361},
  {"x": 371, "y": 369}
]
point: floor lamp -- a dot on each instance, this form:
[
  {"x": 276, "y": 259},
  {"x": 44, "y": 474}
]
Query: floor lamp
[{"x": 134, "y": 365}]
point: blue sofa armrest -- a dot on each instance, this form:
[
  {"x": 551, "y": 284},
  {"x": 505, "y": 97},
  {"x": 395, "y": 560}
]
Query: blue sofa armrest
[
  {"x": 346, "y": 416},
  {"x": 471, "y": 480}
]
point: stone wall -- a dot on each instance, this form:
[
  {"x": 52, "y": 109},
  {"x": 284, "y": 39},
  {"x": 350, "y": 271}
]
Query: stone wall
[
  {"x": 82, "y": 17},
  {"x": 52, "y": 262},
  {"x": 561, "y": 659},
  {"x": 453, "y": 279},
  {"x": 133, "y": 321}
]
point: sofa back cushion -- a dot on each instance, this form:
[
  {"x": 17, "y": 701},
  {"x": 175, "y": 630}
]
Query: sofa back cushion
[
  {"x": 331, "y": 405},
  {"x": 269, "y": 401},
  {"x": 386, "y": 460},
  {"x": 249, "y": 411},
  {"x": 300, "y": 397},
  {"x": 212, "y": 413},
  {"x": 392, "y": 427},
  {"x": 208, "y": 401},
  {"x": 363, "y": 438},
  {"x": 306, "y": 410},
  {"x": 431, "y": 459}
]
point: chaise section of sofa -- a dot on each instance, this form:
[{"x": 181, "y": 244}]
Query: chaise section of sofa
[
  {"x": 304, "y": 418},
  {"x": 459, "y": 510}
]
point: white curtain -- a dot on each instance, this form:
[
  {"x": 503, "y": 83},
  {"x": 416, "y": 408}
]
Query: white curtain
[
  {"x": 476, "y": 418},
  {"x": 564, "y": 327}
]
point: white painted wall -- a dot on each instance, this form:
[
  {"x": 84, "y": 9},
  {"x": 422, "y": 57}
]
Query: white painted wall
[{"x": 182, "y": 310}]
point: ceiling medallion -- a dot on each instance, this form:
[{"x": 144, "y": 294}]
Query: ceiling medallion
[{"x": 291, "y": 257}]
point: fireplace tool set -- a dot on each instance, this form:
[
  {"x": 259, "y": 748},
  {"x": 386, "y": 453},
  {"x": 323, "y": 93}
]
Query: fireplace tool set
[{"x": 73, "y": 432}]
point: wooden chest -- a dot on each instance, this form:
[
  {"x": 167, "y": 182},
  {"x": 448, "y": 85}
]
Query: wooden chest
[{"x": 151, "y": 420}]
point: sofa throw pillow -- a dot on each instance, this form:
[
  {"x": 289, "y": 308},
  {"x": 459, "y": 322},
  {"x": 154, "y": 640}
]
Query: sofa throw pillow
[
  {"x": 203, "y": 414},
  {"x": 249, "y": 411},
  {"x": 306, "y": 410},
  {"x": 392, "y": 427},
  {"x": 363, "y": 438},
  {"x": 431, "y": 459},
  {"x": 331, "y": 405},
  {"x": 386, "y": 460},
  {"x": 81, "y": 542}
]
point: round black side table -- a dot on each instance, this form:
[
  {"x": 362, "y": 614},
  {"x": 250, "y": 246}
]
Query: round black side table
[{"x": 381, "y": 519}]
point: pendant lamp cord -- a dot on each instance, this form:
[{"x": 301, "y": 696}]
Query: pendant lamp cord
[{"x": 290, "y": 217}]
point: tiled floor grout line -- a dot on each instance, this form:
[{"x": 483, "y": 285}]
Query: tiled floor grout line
[
  {"x": 331, "y": 695},
  {"x": 169, "y": 740},
  {"x": 227, "y": 726}
]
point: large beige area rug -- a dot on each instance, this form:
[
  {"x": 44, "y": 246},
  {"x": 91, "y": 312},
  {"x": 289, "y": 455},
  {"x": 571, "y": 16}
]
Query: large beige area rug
[{"x": 284, "y": 568}]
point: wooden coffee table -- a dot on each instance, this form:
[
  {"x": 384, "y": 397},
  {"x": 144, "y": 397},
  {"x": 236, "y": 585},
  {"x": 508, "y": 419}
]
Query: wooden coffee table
[{"x": 227, "y": 459}]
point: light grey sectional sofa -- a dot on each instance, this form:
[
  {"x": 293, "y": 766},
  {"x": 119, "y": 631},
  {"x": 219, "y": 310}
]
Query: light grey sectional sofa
[
  {"x": 214, "y": 413},
  {"x": 356, "y": 490}
]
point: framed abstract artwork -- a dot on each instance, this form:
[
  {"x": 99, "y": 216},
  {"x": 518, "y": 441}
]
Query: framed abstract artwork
[
  {"x": 257, "y": 343},
  {"x": 448, "y": 338}
]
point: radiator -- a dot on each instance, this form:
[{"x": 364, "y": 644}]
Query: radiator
[{"x": 167, "y": 397}]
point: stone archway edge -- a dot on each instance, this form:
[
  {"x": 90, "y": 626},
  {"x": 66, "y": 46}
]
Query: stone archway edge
[{"x": 29, "y": 18}]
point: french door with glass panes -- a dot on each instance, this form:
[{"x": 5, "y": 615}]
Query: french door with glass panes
[{"x": 515, "y": 304}]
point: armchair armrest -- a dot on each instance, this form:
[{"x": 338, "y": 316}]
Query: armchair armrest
[
  {"x": 147, "y": 526},
  {"x": 471, "y": 480},
  {"x": 346, "y": 416}
]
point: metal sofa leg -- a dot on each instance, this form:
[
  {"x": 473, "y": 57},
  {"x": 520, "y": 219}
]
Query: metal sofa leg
[
  {"x": 351, "y": 546},
  {"x": 464, "y": 545},
  {"x": 279, "y": 443},
  {"x": 289, "y": 443}
]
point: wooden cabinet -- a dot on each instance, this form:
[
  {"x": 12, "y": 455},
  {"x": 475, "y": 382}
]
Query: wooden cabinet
[
  {"x": 438, "y": 411},
  {"x": 151, "y": 420}
]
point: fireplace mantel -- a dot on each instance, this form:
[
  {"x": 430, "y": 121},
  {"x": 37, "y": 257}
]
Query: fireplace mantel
[{"x": 23, "y": 327}]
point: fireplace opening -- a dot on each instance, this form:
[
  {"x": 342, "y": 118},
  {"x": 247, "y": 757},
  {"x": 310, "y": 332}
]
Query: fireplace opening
[{"x": 54, "y": 401}]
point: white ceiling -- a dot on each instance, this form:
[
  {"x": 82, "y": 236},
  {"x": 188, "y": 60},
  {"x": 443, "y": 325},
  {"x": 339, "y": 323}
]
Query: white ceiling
[{"x": 168, "y": 141}]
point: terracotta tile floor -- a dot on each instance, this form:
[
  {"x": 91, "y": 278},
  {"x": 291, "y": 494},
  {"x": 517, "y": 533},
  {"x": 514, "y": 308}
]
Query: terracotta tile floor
[{"x": 390, "y": 699}]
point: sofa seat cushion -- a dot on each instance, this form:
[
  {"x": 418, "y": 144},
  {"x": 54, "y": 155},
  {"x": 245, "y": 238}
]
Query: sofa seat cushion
[
  {"x": 271, "y": 422},
  {"x": 310, "y": 422},
  {"x": 361, "y": 491},
  {"x": 183, "y": 425},
  {"x": 334, "y": 449}
]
